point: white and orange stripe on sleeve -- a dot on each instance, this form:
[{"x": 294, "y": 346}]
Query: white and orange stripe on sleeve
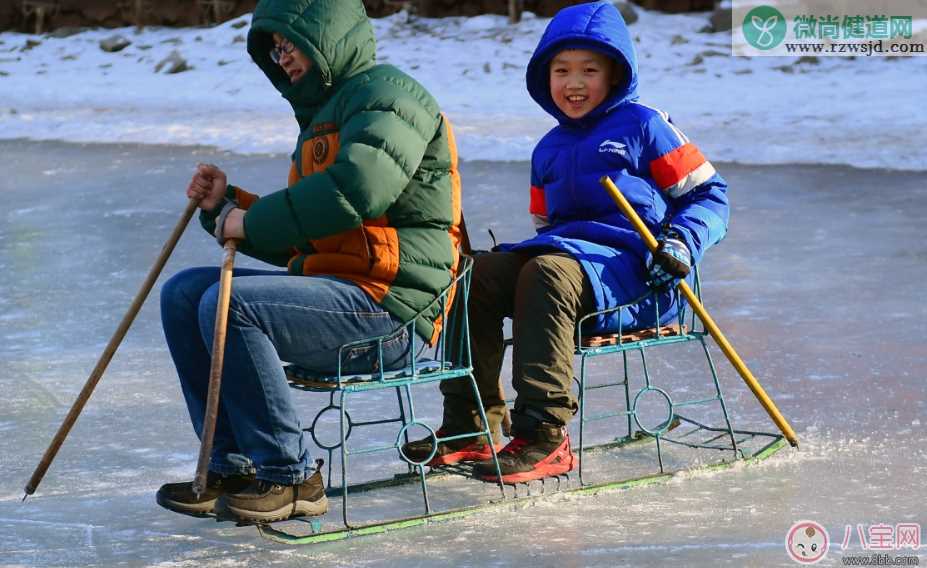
[{"x": 681, "y": 170}]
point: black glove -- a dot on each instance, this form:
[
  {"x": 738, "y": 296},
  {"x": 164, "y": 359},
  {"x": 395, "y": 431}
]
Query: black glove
[{"x": 669, "y": 263}]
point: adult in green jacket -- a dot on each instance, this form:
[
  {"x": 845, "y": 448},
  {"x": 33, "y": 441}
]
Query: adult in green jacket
[{"x": 367, "y": 228}]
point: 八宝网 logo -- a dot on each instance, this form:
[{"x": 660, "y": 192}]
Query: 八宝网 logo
[{"x": 807, "y": 542}]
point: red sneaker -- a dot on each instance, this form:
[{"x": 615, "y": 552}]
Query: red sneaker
[{"x": 524, "y": 459}]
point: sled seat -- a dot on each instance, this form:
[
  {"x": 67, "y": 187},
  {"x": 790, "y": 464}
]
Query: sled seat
[
  {"x": 306, "y": 379},
  {"x": 632, "y": 336},
  {"x": 449, "y": 358}
]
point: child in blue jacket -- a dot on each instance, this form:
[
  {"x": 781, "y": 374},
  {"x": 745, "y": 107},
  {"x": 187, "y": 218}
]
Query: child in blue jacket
[{"x": 586, "y": 256}]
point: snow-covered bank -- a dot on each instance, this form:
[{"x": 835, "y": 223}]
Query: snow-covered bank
[{"x": 860, "y": 112}]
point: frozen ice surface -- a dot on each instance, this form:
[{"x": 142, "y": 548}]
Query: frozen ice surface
[{"x": 818, "y": 286}]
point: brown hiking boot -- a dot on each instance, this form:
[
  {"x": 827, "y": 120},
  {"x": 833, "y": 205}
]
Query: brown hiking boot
[
  {"x": 531, "y": 455},
  {"x": 454, "y": 451},
  {"x": 265, "y": 501},
  {"x": 179, "y": 497}
]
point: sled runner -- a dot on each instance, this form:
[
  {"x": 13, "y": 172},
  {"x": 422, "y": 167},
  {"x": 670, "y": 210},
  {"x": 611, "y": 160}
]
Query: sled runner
[{"x": 314, "y": 530}]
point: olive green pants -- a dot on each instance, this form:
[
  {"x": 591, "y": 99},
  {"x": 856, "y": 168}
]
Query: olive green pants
[{"x": 544, "y": 294}]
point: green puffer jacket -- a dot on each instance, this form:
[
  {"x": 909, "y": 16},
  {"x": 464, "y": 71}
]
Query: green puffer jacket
[{"x": 374, "y": 192}]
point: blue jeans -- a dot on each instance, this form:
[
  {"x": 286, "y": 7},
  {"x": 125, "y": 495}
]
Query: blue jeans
[{"x": 273, "y": 317}]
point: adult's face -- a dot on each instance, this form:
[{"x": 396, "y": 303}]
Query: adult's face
[{"x": 293, "y": 61}]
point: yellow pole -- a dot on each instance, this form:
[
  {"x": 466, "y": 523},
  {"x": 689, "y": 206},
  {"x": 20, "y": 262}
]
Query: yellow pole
[{"x": 703, "y": 315}]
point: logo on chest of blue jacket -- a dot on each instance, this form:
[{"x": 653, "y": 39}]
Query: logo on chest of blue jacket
[{"x": 613, "y": 147}]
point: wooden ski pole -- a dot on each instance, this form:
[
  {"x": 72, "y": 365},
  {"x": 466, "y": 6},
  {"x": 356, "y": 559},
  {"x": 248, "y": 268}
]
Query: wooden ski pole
[
  {"x": 109, "y": 351},
  {"x": 215, "y": 369},
  {"x": 706, "y": 318},
  {"x": 468, "y": 249}
]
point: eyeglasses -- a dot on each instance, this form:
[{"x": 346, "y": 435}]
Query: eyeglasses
[{"x": 285, "y": 47}]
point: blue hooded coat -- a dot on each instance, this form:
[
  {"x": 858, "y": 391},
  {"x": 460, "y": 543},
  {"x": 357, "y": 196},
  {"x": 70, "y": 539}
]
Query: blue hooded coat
[{"x": 663, "y": 175}]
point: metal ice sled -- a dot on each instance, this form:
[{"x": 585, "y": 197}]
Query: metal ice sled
[{"x": 620, "y": 446}]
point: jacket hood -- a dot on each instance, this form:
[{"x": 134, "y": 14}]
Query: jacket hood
[
  {"x": 335, "y": 34},
  {"x": 597, "y": 26}
]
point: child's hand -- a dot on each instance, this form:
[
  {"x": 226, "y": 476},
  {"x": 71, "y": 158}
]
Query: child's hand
[
  {"x": 208, "y": 186},
  {"x": 670, "y": 262}
]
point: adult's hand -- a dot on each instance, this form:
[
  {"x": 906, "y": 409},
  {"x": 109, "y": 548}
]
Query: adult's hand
[{"x": 208, "y": 186}]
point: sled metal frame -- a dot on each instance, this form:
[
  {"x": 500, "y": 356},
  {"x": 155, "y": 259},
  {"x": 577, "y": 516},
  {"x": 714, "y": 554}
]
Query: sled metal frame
[
  {"x": 675, "y": 429},
  {"x": 685, "y": 328},
  {"x": 451, "y": 361}
]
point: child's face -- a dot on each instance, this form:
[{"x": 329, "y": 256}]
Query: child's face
[{"x": 580, "y": 79}]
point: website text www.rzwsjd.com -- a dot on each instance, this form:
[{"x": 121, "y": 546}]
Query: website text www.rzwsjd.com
[
  {"x": 880, "y": 560},
  {"x": 866, "y": 48}
]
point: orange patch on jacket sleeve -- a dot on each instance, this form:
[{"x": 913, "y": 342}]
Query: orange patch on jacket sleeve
[
  {"x": 670, "y": 168},
  {"x": 244, "y": 198}
]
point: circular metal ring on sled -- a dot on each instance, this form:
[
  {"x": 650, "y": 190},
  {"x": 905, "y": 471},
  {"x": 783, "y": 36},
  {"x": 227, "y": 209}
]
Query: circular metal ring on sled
[
  {"x": 431, "y": 433},
  {"x": 316, "y": 421},
  {"x": 665, "y": 425}
]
